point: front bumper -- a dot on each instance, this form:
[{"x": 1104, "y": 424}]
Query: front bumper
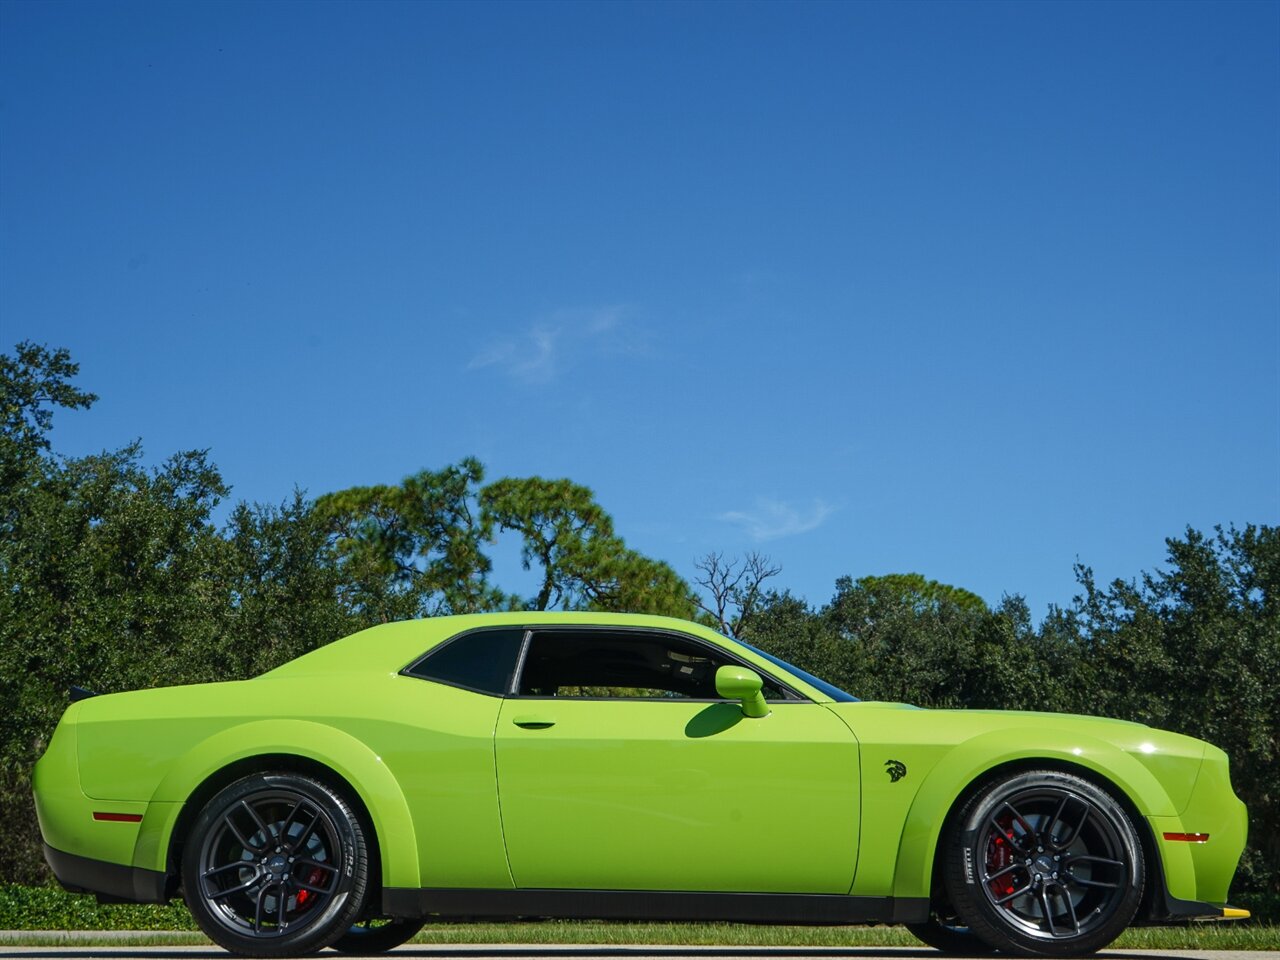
[
  {"x": 1197, "y": 851},
  {"x": 1176, "y": 910}
]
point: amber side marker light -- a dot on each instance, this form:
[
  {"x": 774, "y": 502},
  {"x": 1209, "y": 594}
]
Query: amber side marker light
[
  {"x": 117, "y": 817},
  {"x": 1188, "y": 837}
]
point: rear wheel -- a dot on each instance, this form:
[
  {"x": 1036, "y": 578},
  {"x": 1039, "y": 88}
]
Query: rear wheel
[
  {"x": 1044, "y": 864},
  {"x": 276, "y": 865},
  {"x": 376, "y": 936}
]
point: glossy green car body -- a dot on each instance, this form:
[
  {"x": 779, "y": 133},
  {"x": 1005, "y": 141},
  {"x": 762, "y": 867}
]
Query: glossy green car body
[{"x": 486, "y": 804}]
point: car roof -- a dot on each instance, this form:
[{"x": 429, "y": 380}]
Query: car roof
[{"x": 390, "y": 646}]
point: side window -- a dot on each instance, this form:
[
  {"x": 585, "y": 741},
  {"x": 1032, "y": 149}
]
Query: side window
[
  {"x": 623, "y": 665},
  {"x": 483, "y": 661}
]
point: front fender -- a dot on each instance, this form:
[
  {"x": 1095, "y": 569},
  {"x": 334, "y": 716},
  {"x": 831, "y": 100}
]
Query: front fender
[
  {"x": 344, "y": 754},
  {"x": 969, "y": 760}
]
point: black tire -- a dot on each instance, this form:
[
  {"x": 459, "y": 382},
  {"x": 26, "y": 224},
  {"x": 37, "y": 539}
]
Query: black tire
[
  {"x": 276, "y": 865},
  {"x": 1044, "y": 864},
  {"x": 376, "y": 936}
]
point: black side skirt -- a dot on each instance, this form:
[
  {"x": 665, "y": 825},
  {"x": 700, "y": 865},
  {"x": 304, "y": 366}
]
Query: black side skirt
[{"x": 799, "y": 908}]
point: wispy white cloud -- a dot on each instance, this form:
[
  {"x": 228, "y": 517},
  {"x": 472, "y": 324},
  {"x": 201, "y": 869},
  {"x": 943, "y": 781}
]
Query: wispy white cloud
[
  {"x": 603, "y": 319},
  {"x": 538, "y": 355},
  {"x": 774, "y": 519},
  {"x": 530, "y": 357}
]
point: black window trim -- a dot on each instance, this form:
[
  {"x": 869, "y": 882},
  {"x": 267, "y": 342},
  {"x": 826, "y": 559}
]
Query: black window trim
[
  {"x": 796, "y": 695},
  {"x": 407, "y": 670},
  {"x": 529, "y": 630}
]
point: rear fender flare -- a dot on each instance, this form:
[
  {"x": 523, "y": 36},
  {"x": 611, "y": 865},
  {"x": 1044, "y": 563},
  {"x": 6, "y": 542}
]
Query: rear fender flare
[{"x": 350, "y": 759}]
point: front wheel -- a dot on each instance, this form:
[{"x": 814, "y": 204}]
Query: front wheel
[
  {"x": 1044, "y": 864},
  {"x": 276, "y": 865}
]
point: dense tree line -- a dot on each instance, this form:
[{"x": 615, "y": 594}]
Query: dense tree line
[{"x": 117, "y": 576}]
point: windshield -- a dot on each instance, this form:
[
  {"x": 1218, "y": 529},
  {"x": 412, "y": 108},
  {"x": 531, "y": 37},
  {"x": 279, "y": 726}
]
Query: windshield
[{"x": 831, "y": 690}]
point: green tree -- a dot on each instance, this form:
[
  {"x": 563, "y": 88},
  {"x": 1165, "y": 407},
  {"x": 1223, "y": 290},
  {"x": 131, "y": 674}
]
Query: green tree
[
  {"x": 914, "y": 639},
  {"x": 34, "y": 382},
  {"x": 583, "y": 564},
  {"x": 786, "y": 626},
  {"x": 1017, "y": 667},
  {"x": 630, "y": 582},
  {"x": 412, "y": 550},
  {"x": 562, "y": 529},
  {"x": 285, "y": 586}
]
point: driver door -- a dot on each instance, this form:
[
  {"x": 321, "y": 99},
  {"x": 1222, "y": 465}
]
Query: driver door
[{"x": 620, "y": 769}]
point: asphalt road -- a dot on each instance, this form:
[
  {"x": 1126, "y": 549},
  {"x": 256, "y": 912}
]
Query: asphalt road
[{"x": 482, "y": 952}]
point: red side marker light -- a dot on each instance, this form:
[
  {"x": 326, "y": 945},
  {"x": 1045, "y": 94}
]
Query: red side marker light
[
  {"x": 117, "y": 817},
  {"x": 1188, "y": 837}
]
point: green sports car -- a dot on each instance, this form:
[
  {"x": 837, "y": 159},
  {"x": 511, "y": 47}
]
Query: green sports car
[{"x": 621, "y": 767}]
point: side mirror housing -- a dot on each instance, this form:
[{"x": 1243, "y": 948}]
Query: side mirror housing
[{"x": 742, "y": 683}]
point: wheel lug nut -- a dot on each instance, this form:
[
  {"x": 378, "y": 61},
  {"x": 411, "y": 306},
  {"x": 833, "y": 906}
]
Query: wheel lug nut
[
  {"x": 1055, "y": 876},
  {"x": 1039, "y": 849}
]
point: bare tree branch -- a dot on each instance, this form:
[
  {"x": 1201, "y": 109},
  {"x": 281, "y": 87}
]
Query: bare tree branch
[{"x": 734, "y": 588}]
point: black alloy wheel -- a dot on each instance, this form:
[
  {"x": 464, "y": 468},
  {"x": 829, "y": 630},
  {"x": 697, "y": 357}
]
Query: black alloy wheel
[
  {"x": 1044, "y": 864},
  {"x": 276, "y": 865},
  {"x": 376, "y": 935}
]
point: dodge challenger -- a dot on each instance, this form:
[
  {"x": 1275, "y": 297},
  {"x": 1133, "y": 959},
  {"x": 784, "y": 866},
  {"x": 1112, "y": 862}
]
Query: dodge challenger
[{"x": 532, "y": 765}]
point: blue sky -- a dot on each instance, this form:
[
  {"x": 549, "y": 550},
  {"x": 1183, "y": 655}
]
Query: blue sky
[{"x": 972, "y": 290}]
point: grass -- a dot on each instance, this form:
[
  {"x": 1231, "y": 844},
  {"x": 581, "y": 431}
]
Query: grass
[{"x": 54, "y": 938}]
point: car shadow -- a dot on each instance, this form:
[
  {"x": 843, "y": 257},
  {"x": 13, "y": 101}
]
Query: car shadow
[
  {"x": 481, "y": 951},
  {"x": 477, "y": 953},
  {"x": 717, "y": 718}
]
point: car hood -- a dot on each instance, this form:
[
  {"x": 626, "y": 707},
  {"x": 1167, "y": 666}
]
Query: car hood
[
  {"x": 956, "y": 726},
  {"x": 1172, "y": 758}
]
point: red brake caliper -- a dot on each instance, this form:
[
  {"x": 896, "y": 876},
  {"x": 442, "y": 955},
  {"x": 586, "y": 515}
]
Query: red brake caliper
[
  {"x": 306, "y": 896},
  {"x": 1000, "y": 854}
]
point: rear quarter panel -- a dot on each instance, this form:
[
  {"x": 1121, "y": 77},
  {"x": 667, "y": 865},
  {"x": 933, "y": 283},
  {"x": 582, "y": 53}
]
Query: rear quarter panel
[{"x": 408, "y": 748}]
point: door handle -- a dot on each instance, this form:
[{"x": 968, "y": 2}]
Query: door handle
[{"x": 533, "y": 723}]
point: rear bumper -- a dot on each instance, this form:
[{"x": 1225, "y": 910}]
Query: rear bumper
[{"x": 110, "y": 881}]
